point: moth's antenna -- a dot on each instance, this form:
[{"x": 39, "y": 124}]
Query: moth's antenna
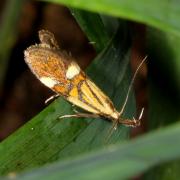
[
  {"x": 111, "y": 130},
  {"x": 141, "y": 114},
  {"x": 130, "y": 86}
]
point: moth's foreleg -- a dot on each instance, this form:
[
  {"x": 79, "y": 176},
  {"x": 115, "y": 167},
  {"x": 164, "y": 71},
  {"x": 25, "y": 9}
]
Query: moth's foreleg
[
  {"x": 80, "y": 115},
  {"x": 51, "y": 98}
]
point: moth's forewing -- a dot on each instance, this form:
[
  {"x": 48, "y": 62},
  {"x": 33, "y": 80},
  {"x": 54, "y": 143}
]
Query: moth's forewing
[{"x": 59, "y": 71}]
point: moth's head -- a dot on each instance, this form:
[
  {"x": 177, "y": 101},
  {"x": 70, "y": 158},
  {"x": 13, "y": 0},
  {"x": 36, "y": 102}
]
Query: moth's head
[{"x": 47, "y": 39}]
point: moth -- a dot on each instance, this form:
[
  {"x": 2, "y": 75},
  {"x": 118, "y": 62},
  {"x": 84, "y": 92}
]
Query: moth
[{"x": 59, "y": 71}]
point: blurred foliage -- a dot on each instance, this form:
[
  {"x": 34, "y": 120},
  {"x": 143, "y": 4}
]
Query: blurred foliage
[
  {"x": 77, "y": 146},
  {"x": 9, "y": 19}
]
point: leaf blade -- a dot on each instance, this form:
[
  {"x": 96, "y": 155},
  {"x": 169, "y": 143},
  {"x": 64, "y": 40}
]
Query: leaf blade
[
  {"x": 163, "y": 15},
  {"x": 120, "y": 161},
  {"x": 45, "y": 139}
]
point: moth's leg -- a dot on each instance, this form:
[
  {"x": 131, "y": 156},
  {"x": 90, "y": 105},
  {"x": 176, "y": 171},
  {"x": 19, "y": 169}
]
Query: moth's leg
[
  {"x": 110, "y": 131},
  {"x": 51, "y": 98},
  {"x": 79, "y": 115},
  {"x": 126, "y": 122},
  {"x": 78, "y": 112},
  {"x": 74, "y": 109},
  {"x": 134, "y": 122}
]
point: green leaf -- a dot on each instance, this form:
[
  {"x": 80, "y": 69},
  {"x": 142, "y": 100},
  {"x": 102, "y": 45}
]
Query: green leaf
[
  {"x": 164, "y": 14},
  {"x": 46, "y": 138},
  {"x": 120, "y": 161},
  {"x": 164, "y": 91},
  {"x": 93, "y": 27}
]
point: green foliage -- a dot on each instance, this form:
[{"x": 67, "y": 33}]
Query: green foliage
[
  {"x": 163, "y": 15},
  {"x": 76, "y": 148},
  {"x": 120, "y": 161}
]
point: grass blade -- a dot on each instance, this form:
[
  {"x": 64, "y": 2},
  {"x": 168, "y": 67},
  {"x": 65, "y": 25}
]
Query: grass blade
[
  {"x": 164, "y": 14},
  {"x": 45, "y": 138},
  {"x": 120, "y": 161}
]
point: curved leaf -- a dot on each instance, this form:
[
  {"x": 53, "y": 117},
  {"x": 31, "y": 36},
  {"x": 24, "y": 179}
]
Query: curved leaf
[
  {"x": 45, "y": 138},
  {"x": 120, "y": 161},
  {"x": 164, "y": 14}
]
